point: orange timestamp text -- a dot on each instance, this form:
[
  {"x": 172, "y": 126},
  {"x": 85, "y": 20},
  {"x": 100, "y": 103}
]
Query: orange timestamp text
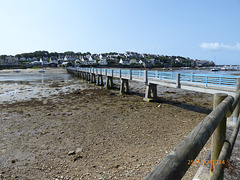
[{"x": 206, "y": 162}]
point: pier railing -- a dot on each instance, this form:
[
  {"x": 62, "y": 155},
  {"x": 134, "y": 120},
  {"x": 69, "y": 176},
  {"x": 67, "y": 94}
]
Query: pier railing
[{"x": 203, "y": 79}]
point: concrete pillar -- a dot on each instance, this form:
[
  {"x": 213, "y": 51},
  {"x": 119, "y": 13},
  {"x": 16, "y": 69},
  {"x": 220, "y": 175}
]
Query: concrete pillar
[
  {"x": 88, "y": 76},
  {"x": 109, "y": 82},
  {"x": 84, "y": 75},
  {"x": 99, "y": 80},
  {"x": 151, "y": 92},
  {"x": 178, "y": 83},
  {"x": 77, "y": 73},
  {"x": 124, "y": 87},
  {"x": 219, "y": 134},
  {"x": 93, "y": 78},
  {"x": 81, "y": 74},
  {"x": 237, "y": 109}
]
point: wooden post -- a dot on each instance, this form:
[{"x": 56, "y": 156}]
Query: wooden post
[
  {"x": 120, "y": 73},
  {"x": 219, "y": 134},
  {"x": 112, "y": 72},
  {"x": 178, "y": 84},
  {"x": 236, "y": 111},
  {"x": 146, "y": 77}
]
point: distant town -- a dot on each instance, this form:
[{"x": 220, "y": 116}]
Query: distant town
[{"x": 111, "y": 59}]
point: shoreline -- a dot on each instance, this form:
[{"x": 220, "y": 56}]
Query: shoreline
[{"x": 112, "y": 136}]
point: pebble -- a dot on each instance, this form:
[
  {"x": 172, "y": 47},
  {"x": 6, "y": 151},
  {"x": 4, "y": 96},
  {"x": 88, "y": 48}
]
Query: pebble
[
  {"x": 69, "y": 113},
  {"x": 78, "y": 150},
  {"x": 71, "y": 153}
]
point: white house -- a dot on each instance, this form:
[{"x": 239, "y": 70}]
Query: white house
[
  {"x": 22, "y": 59},
  {"x": 92, "y": 61},
  {"x": 103, "y": 62},
  {"x": 152, "y": 61},
  {"x": 53, "y": 60},
  {"x": 133, "y": 61},
  {"x": 70, "y": 58},
  {"x": 123, "y": 62},
  {"x": 102, "y": 56},
  {"x": 29, "y": 59},
  {"x": 34, "y": 59},
  {"x": 36, "y": 63},
  {"x": 43, "y": 62}
]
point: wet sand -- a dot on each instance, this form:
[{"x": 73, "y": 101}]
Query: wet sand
[{"x": 95, "y": 133}]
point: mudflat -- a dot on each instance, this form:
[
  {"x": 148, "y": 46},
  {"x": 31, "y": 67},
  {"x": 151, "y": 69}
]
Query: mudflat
[{"x": 95, "y": 133}]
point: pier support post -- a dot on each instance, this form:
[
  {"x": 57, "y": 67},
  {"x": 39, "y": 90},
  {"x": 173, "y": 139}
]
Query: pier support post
[
  {"x": 84, "y": 75},
  {"x": 109, "y": 82},
  {"x": 151, "y": 92},
  {"x": 93, "y": 78},
  {"x": 178, "y": 84},
  {"x": 88, "y": 76},
  {"x": 219, "y": 134},
  {"x": 237, "y": 109},
  {"x": 81, "y": 74},
  {"x": 99, "y": 80},
  {"x": 124, "y": 88},
  {"x": 77, "y": 73}
]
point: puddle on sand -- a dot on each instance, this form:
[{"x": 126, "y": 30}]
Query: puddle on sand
[{"x": 29, "y": 84}]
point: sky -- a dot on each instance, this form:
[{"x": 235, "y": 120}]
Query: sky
[{"x": 198, "y": 29}]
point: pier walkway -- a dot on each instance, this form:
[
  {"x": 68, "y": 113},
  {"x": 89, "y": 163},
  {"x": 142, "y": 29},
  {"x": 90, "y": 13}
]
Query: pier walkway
[{"x": 206, "y": 83}]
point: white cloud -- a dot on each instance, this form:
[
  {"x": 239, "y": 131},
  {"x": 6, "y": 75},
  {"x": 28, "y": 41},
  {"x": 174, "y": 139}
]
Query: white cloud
[{"x": 220, "y": 46}]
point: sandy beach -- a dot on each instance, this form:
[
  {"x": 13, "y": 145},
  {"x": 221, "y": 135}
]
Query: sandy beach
[{"x": 87, "y": 132}]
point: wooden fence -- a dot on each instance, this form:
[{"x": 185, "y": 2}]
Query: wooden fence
[{"x": 175, "y": 165}]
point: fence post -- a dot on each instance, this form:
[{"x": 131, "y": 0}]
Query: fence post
[
  {"x": 120, "y": 73},
  {"x": 178, "y": 84},
  {"x": 218, "y": 136},
  {"x": 236, "y": 111},
  {"x": 130, "y": 74},
  {"x": 146, "y": 77},
  {"x": 112, "y": 72}
]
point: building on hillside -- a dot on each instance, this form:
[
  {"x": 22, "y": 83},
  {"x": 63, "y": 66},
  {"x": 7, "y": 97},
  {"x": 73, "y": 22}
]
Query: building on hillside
[
  {"x": 103, "y": 62},
  {"x": 124, "y": 62},
  {"x": 145, "y": 63}
]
